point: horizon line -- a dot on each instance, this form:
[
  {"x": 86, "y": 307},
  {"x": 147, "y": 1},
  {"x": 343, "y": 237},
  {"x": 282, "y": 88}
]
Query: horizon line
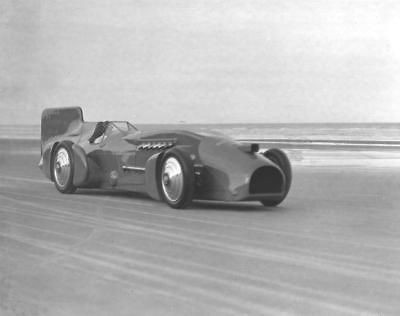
[{"x": 229, "y": 123}]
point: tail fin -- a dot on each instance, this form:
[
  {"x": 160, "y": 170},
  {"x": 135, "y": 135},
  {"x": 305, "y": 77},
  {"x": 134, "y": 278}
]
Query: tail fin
[{"x": 57, "y": 121}]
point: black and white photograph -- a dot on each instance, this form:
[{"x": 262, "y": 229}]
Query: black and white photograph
[{"x": 210, "y": 157}]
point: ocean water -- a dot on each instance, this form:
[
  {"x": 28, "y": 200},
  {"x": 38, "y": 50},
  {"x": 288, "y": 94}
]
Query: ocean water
[
  {"x": 268, "y": 131},
  {"x": 26, "y": 139}
]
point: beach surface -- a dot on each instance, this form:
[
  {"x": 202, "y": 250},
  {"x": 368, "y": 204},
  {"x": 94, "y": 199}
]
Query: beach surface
[{"x": 331, "y": 248}]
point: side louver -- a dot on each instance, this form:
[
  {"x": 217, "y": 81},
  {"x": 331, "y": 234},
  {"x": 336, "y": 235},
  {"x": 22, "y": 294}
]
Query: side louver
[{"x": 155, "y": 145}]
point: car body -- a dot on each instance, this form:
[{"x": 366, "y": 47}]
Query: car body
[{"x": 171, "y": 165}]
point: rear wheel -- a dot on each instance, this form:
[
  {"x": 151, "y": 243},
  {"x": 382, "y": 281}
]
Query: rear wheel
[
  {"x": 278, "y": 157},
  {"x": 63, "y": 168},
  {"x": 176, "y": 179}
]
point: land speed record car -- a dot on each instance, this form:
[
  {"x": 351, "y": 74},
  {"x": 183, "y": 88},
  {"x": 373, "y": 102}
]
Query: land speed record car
[{"x": 175, "y": 166}]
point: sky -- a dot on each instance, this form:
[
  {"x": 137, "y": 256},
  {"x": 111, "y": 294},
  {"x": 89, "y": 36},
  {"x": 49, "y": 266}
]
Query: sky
[{"x": 203, "y": 61}]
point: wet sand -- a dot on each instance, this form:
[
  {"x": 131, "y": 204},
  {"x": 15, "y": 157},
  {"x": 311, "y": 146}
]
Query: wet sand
[{"x": 332, "y": 247}]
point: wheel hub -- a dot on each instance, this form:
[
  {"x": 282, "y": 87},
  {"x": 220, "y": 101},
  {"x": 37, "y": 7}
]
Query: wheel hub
[{"x": 166, "y": 179}]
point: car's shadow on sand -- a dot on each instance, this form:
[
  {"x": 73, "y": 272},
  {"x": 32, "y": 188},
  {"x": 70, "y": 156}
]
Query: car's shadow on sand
[
  {"x": 231, "y": 206},
  {"x": 196, "y": 205},
  {"x": 122, "y": 195}
]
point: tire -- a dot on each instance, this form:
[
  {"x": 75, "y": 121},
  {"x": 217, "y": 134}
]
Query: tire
[
  {"x": 62, "y": 168},
  {"x": 176, "y": 179},
  {"x": 278, "y": 157}
]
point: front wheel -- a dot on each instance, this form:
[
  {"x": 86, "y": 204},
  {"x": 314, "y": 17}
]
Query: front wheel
[
  {"x": 176, "y": 179},
  {"x": 278, "y": 157},
  {"x": 63, "y": 168}
]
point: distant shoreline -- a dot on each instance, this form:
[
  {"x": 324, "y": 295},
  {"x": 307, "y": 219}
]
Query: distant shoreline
[
  {"x": 344, "y": 136},
  {"x": 350, "y": 145},
  {"x": 301, "y": 154},
  {"x": 272, "y": 124}
]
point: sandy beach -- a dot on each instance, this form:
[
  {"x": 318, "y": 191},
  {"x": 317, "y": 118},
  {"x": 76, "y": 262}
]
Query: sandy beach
[{"x": 331, "y": 248}]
